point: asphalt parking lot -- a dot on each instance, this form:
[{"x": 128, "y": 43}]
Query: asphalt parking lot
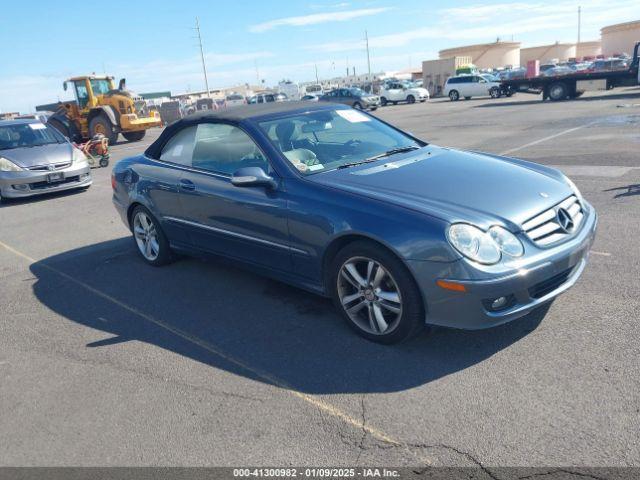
[{"x": 107, "y": 361}]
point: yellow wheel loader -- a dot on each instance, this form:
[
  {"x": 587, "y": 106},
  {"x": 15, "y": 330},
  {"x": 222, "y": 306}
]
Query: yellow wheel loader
[{"x": 100, "y": 108}]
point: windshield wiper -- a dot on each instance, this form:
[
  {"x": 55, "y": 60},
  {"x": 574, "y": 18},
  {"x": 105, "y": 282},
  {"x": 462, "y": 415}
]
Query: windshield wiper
[{"x": 388, "y": 153}]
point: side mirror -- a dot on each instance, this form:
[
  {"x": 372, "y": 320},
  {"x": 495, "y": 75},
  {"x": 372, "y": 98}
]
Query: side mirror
[
  {"x": 64, "y": 86},
  {"x": 122, "y": 84},
  {"x": 252, "y": 177}
]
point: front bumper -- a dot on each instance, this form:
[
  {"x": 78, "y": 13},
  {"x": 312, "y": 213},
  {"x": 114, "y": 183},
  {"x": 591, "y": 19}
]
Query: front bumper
[
  {"x": 533, "y": 283},
  {"x": 27, "y": 183}
]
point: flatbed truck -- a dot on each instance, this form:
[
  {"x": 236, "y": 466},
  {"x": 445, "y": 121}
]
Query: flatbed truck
[{"x": 563, "y": 87}]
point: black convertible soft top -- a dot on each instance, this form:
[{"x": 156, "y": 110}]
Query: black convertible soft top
[{"x": 235, "y": 115}]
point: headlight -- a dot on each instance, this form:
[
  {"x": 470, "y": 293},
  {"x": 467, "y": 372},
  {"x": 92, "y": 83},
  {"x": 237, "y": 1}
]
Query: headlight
[
  {"x": 78, "y": 156},
  {"x": 484, "y": 247},
  {"x": 507, "y": 242},
  {"x": 474, "y": 244},
  {"x": 573, "y": 187},
  {"x": 7, "y": 166}
]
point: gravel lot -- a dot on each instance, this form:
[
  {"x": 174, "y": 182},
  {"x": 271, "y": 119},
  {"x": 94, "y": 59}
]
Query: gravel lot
[{"x": 107, "y": 361}]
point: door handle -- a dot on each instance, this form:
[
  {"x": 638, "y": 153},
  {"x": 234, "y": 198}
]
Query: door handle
[{"x": 187, "y": 185}]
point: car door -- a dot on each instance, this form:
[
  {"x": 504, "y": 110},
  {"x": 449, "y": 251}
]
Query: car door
[
  {"x": 395, "y": 92},
  {"x": 247, "y": 223}
]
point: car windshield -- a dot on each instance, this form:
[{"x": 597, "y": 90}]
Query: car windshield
[
  {"x": 489, "y": 78},
  {"x": 319, "y": 141},
  {"x": 24, "y": 135},
  {"x": 357, "y": 92}
]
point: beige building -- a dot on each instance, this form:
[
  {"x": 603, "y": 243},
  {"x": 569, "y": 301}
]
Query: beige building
[
  {"x": 436, "y": 72},
  {"x": 589, "y": 49},
  {"x": 487, "y": 55},
  {"x": 545, "y": 53},
  {"x": 620, "y": 38}
]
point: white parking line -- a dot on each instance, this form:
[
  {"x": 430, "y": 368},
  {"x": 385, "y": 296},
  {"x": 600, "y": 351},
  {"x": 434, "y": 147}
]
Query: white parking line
[
  {"x": 545, "y": 139},
  {"x": 602, "y": 254}
]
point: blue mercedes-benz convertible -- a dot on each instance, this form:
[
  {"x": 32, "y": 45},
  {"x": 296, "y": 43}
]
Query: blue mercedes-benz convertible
[{"x": 398, "y": 232}]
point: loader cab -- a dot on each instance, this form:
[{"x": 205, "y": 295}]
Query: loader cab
[{"x": 85, "y": 89}]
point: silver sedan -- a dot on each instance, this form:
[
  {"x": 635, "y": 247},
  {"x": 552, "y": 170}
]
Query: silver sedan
[{"x": 36, "y": 159}]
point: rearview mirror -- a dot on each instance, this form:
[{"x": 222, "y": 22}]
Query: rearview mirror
[{"x": 252, "y": 177}]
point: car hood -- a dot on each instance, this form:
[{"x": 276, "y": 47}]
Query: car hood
[
  {"x": 26, "y": 157},
  {"x": 455, "y": 186}
]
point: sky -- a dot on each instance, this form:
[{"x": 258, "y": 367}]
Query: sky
[{"x": 153, "y": 43}]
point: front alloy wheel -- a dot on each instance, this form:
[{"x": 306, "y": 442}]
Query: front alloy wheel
[
  {"x": 369, "y": 295},
  {"x": 376, "y": 294}
]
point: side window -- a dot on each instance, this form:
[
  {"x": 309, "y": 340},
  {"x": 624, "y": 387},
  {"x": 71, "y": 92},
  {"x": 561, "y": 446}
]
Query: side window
[
  {"x": 223, "y": 148},
  {"x": 179, "y": 149}
]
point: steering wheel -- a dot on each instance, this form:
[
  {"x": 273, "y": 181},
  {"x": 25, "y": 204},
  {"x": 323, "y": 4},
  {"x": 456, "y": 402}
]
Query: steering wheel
[{"x": 353, "y": 143}]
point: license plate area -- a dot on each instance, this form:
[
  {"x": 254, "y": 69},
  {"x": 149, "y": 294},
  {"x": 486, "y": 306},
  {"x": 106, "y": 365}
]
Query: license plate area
[{"x": 55, "y": 177}]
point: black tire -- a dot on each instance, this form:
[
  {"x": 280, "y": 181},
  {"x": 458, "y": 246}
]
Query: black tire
[
  {"x": 357, "y": 106},
  {"x": 494, "y": 92},
  {"x": 165, "y": 256},
  {"x": 454, "y": 96},
  {"x": 411, "y": 99},
  {"x": 104, "y": 162},
  {"x": 100, "y": 124},
  {"x": 412, "y": 319},
  {"x": 383, "y": 101},
  {"x": 134, "y": 136},
  {"x": 558, "y": 91}
]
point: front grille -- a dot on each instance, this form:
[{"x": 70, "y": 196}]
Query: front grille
[
  {"x": 46, "y": 168},
  {"x": 547, "y": 286},
  {"x": 45, "y": 185},
  {"x": 544, "y": 229}
]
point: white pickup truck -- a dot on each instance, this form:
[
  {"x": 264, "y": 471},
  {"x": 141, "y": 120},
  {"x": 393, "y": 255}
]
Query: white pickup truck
[{"x": 394, "y": 92}]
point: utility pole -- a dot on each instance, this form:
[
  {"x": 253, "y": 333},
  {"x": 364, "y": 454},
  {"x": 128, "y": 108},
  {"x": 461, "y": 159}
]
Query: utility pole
[
  {"x": 204, "y": 66},
  {"x": 366, "y": 39},
  {"x": 579, "y": 22},
  {"x": 316, "y": 66}
]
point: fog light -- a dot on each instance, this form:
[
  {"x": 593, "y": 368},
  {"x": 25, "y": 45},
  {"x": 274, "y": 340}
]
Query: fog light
[
  {"x": 22, "y": 186},
  {"x": 498, "y": 303}
]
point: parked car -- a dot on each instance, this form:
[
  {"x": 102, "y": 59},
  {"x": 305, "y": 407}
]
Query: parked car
[
  {"x": 608, "y": 65},
  {"x": 315, "y": 89},
  {"x": 354, "y": 97},
  {"x": 557, "y": 71},
  {"x": 35, "y": 158},
  {"x": 268, "y": 98},
  {"x": 394, "y": 92},
  {"x": 234, "y": 100},
  {"x": 398, "y": 232},
  {"x": 468, "y": 86}
]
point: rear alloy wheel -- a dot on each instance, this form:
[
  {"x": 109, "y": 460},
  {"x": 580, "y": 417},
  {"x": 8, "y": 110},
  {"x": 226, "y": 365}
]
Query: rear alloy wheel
[
  {"x": 101, "y": 125},
  {"x": 149, "y": 237},
  {"x": 494, "y": 92},
  {"x": 376, "y": 294},
  {"x": 134, "y": 136},
  {"x": 558, "y": 91},
  {"x": 411, "y": 99},
  {"x": 454, "y": 96}
]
